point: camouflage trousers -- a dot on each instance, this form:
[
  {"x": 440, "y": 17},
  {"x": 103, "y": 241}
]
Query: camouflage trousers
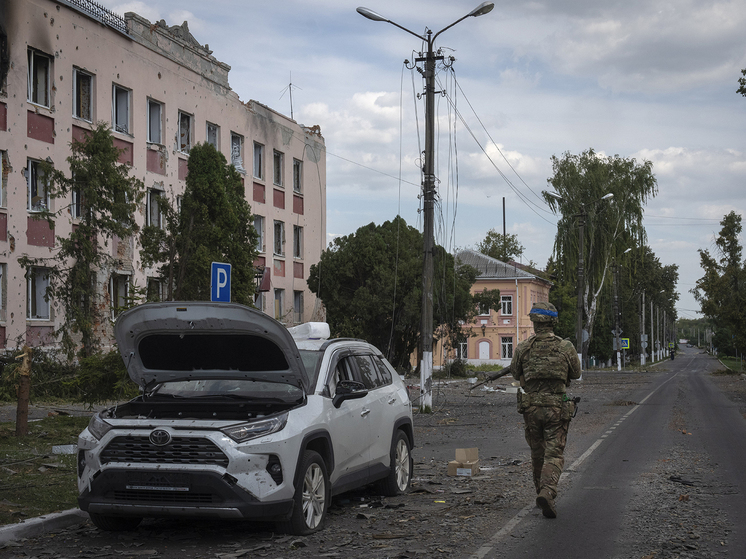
[{"x": 546, "y": 434}]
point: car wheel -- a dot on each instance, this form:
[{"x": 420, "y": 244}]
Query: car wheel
[
  {"x": 312, "y": 494},
  {"x": 115, "y": 523},
  {"x": 402, "y": 464}
]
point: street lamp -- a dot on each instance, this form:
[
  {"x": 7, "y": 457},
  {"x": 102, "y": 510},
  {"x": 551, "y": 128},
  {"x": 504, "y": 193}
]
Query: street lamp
[
  {"x": 428, "y": 191},
  {"x": 581, "y": 271}
]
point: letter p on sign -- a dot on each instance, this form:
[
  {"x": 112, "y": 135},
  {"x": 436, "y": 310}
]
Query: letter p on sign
[{"x": 220, "y": 282}]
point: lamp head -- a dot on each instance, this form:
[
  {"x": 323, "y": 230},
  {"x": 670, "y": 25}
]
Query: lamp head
[
  {"x": 483, "y": 8},
  {"x": 370, "y": 14}
]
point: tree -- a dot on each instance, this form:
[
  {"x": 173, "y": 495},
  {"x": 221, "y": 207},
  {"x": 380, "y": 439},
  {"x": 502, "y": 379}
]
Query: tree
[
  {"x": 108, "y": 199},
  {"x": 500, "y": 247},
  {"x": 721, "y": 292},
  {"x": 742, "y": 83},
  {"x": 371, "y": 285},
  {"x": 214, "y": 224},
  {"x": 610, "y": 227}
]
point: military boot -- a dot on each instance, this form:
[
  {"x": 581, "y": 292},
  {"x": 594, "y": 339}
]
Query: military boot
[{"x": 546, "y": 503}]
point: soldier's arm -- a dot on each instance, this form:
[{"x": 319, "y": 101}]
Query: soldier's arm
[
  {"x": 574, "y": 363},
  {"x": 515, "y": 365}
]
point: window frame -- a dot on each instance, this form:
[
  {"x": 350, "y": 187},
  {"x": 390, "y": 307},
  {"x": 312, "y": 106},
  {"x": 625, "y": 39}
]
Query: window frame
[
  {"x": 258, "y": 161},
  {"x": 32, "y": 85},
  {"x": 260, "y": 241},
  {"x": 506, "y": 347},
  {"x": 278, "y": 238},
  {"x": 151, "y": 282},
  {"x": 297, "y": 176},
  {"x": 3, "y": 291},
  {"x": 161, "y": 111},
  {"x": 279, "y": 303},
  {"x": 237, "y": 143},
  {"x": 114, "y": 298},
  {"x": 298, "y": 242},
  {"x": 76, "y": 203},
  {"x": 151, "y": 198},
  {"x": 506, "y": 301},
  {"x": 278, "y": 167},
  {"x": 77, "y": 73},
  {"x": 4, "y": 172},
  {"x": 32, "y": 179},
  {"x": 208, "y": 125},
  {"x": 115, "y": 109},
  {"x": 298, "y": 307},
  {"x": 33, "y": 293},
  {"x": 185, "y": 147}
]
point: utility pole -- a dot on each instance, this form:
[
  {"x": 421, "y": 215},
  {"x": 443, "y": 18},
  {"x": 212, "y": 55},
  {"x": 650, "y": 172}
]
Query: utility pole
[
  {"x": 428, "y": 193},
  {"x": 617, "y": 329},
  {"x": 643, "y": 341}
]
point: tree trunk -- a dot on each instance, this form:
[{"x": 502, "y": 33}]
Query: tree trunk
[{"x": 24, "y": 391}]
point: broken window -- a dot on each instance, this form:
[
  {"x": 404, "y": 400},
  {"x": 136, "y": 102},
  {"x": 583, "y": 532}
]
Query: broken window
[
  {"x": 76, "y": 207},
  {"x": 3, "y": 291},
  {"x": 297, "y": 241},
  {"x": 237, "y": 151},
  {"x": 82, "y": 95},
  {"x": 213, "y": 135},
  {"x": 121, "y": 109},
  {"x": 154, "y": 292},
  {"x": 37, "y": 301},
  {"x": 297, "y": 175},
  {"x": 279, "y": 303},
  {"x": 38, "y": 194},
  {"x": 258, "y": 161},
  {"x": 154, "y": 216},
  {"x": 185, "y": 132},
  {"x": 259, "y": 226},
  {"x": 39, "y": 73},
  {"x": 278, "y": 161},
  {"x": 119, "y": 286},
  {"x": 4, "y": 172},
  {"x": 279, "y": 248},
  {"x": 298, "y": 307},
  {"x": 155, "y": 122}
]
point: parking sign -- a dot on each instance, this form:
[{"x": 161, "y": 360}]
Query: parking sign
[{"x": 220, "y": 282}]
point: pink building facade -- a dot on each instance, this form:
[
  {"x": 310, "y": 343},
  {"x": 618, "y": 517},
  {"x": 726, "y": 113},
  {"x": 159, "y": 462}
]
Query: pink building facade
[
  {"x": 67, "y": 65},
  {"x": 496, "y": 333}
]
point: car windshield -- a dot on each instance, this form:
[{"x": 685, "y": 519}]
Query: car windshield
[
  {"x": 233, "y": 388},
  {"x": 311, "y": 359}
]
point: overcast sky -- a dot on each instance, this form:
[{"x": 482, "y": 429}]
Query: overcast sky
[{"x": 644, "y": 79}]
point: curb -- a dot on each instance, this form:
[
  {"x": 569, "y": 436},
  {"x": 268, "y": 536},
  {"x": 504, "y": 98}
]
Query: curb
[{"x": 42, "y": 525}]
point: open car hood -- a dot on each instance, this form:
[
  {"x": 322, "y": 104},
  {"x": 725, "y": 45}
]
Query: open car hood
[{"x": 174, "y": 341}]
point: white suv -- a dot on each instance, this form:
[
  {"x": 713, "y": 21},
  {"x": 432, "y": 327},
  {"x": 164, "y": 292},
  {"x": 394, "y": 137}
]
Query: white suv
[{"x": 240, "y": 417}]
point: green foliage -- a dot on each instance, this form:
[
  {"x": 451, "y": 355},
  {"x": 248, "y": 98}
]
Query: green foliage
[
  {"x": 213, "y": 225},
  {"x": 103, "y": 377},
  {"x": 371, "y": 285},
  {"x": 742, "y": 83},
  {"x": 500, "y": 247},
  {"x": 109, "y": 198},
  {"x": 456, "y": 368},
  {"x": 721, "y": 292},
  {"x": 610, "y": 226},
  {"x": 50, "y": 377}
]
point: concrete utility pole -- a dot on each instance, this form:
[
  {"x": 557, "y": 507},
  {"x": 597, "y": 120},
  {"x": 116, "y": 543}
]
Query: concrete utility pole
[
  {"x": 428, "y": 192},
  {"x": 643, "y": 342},
  {"x": 617, "y": 329}
]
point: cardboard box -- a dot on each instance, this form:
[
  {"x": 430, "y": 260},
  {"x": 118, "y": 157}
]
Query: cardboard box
[{"x": 465, "y": 464}]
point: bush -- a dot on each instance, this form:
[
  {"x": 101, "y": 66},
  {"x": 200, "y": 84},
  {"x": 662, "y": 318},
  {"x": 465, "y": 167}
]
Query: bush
[{"x": 456, "y": 368}]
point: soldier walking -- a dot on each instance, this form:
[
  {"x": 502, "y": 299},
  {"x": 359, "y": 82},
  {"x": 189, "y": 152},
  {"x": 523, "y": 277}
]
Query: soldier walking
[{"x": 545, "y": 364}]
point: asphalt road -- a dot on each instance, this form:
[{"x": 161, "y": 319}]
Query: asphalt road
[{"x": 615, "y": 498}]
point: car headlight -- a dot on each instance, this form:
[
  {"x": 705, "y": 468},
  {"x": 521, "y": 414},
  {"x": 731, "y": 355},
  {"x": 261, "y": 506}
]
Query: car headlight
[
  {"x": 248, "y": 431},
  {"x": 98, "y": 427}
]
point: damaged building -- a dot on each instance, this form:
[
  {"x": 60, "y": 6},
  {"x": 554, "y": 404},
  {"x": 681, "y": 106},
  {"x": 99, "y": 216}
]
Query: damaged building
[{"x": 69, "y": 64}]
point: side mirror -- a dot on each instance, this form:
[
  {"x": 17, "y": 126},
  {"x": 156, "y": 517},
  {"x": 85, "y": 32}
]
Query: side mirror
[{"x": 348, "y": 390}]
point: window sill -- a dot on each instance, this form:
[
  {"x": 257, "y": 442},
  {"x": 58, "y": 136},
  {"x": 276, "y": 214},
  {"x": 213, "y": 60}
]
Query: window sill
[
  {"x": 122, "y": 133},
  {"x": 39, "y": 108},
  {"x": 155, "y": 146},
  {"x": 80, "y": 119}
]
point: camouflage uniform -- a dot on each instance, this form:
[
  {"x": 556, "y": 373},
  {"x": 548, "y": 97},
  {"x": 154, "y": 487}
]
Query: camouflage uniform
[{"x": 545, "y": 364}]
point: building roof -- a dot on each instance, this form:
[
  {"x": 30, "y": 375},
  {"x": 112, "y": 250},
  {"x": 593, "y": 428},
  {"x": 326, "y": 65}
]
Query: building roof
[{"x": 491, "y": 268}]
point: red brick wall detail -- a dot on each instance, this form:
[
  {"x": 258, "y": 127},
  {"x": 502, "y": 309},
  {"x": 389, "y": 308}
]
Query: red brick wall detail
[
  {"x": 279, "y": 268},
  {"x": 3, "y": 126},
  {"x": 3, "y": 227},
  {"x": 38, "y": 233},
  {"x": 278, "y": 199},
  {"x": 156, "y": 162},
  {"x": 80, "y": 134},
  {"x": 298, "y": 205},
  {"x": 126, "y": 156},
  {"x": 259, "y": 193},
  {"x": 40, "y": 127},
  {"x": 183, "y": 169},
  {"x": 39, "y": 335},
  {"x": 298, "y": 270}
]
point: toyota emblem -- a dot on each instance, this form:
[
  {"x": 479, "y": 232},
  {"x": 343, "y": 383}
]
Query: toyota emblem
[{"x": 159, "y": 437}]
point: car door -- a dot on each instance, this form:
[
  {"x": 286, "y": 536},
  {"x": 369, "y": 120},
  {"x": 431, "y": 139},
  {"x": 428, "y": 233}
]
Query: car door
[
  {"x": 348, "y": 425},
  {"x": 381, "y": 394}
]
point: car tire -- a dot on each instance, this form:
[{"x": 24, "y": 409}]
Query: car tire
[
  {"x": 312, "y": 496},
  {"x": 115, "y": 523},
  {"x": 402, "y": 465}
]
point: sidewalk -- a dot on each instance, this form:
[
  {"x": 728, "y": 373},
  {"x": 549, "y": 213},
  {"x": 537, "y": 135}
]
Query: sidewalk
[{"x": 34, "y": 527}]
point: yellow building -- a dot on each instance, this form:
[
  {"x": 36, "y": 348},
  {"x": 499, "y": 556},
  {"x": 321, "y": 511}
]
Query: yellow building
[{"x": 493, "y": 335}]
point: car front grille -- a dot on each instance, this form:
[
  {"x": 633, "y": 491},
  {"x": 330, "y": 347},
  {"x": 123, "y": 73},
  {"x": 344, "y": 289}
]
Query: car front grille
[
  {"x": 181, "y": 450},
  {"x": 164, "y": 497}
]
